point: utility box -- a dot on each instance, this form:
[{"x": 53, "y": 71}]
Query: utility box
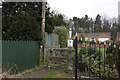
[{"x": 70, "y": 43}]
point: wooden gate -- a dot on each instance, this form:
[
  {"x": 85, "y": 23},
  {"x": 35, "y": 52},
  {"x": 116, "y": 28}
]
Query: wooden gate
[{"x": 61, "y": 58}]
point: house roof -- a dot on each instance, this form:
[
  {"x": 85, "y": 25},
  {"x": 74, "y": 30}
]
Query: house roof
[
  {"x": 118, "y": 33},
  {"x": 93, "y": 34}
]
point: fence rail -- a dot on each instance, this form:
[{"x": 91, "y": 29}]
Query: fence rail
[
  {"x": 93, "y": 45},
  {"x": 60, "y": 58}
]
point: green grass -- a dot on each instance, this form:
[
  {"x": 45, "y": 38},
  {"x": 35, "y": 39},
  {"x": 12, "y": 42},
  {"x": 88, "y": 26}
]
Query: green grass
[
  {"x": 58, "y": 74},
  {"x": 101, "y": 50}
]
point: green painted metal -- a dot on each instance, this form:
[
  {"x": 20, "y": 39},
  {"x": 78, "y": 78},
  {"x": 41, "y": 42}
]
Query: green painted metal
[
  {"x": 25, "y": 54},
  {"x": 51, "y": 39},
  {"x": 0, "y": 56}
]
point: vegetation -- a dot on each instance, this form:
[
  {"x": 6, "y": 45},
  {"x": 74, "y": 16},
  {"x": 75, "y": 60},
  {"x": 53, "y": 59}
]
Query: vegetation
[
  {"x": 118, "y": 24},
  {"x": 92, "y": 61},
  {"x": 63, "y": 34},
  {"x": 86, "y": 57},
  {"x": 6, "y": 73},
  {"x": 22, "y": 21},
  {"x": 53, "y": 20},
  {"x": 59, "y": 20},
  {"x": 81, "y": 39},
  {"x": 99, "y": 24},
  {"x": 112, "y": 56},
  {"x": 20, "y": 30},
  {"x": 59, "y": 74}
]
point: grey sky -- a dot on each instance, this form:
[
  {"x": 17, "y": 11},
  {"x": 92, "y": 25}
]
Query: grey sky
[{"x": 79, "y": 8}]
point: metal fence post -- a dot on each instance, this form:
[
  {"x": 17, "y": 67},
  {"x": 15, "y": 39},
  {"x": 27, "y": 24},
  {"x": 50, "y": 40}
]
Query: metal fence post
[
  {"x": 119, "y": 61},
  {"x": 76, "y": 45}
]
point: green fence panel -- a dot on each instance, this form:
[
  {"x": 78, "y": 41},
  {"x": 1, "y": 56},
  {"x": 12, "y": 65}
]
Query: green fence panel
[
  {"x": 25, "y": 54},
  {"x": 51, "y": 39},
  {"x": 0, "y": 56}
]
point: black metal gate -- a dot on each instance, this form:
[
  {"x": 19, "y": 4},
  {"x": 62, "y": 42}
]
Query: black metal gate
[{"x": 97, "y": 61}]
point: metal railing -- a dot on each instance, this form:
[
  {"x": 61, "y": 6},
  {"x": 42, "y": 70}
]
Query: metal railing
[{"x": 97, "y": 61}]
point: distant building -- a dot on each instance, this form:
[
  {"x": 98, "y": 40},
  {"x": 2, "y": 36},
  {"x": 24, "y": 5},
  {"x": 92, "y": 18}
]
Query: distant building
[
  {"x": 118, "y": 36},
  {"x": 101, "y": 37}
]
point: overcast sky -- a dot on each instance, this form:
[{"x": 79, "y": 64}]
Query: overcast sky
[{"x": 79, "y": 8}]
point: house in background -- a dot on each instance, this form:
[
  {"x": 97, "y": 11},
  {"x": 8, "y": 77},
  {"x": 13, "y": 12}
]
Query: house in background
[
  {"x": 118, "y": 36},
  {"x": 101, "y": 37}
]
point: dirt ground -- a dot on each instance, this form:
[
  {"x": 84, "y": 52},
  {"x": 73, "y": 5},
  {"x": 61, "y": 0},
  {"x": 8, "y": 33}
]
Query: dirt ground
[
  {"x": 35, "y": 74},
  {"x": 45, "y": 73}
]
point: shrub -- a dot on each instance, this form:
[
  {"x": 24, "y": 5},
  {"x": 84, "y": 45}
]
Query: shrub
[
  {"x": 86, "y": 57},
  {"x": 112, "y": 56},
  {"x": 111, "y": 63},
  {"x": 83, "y": 39},
  {"x": 62, "y": 33},
  {"x": 110, "y": 49},
  {"x": 93, "y": 42},
  {"x": 82, "y": 63},
  {"x": 87, "y": 41},
  {"x": 90, "y": 58}
]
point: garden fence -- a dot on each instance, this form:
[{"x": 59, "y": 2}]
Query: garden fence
[{"x": 23, "y": 54}]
